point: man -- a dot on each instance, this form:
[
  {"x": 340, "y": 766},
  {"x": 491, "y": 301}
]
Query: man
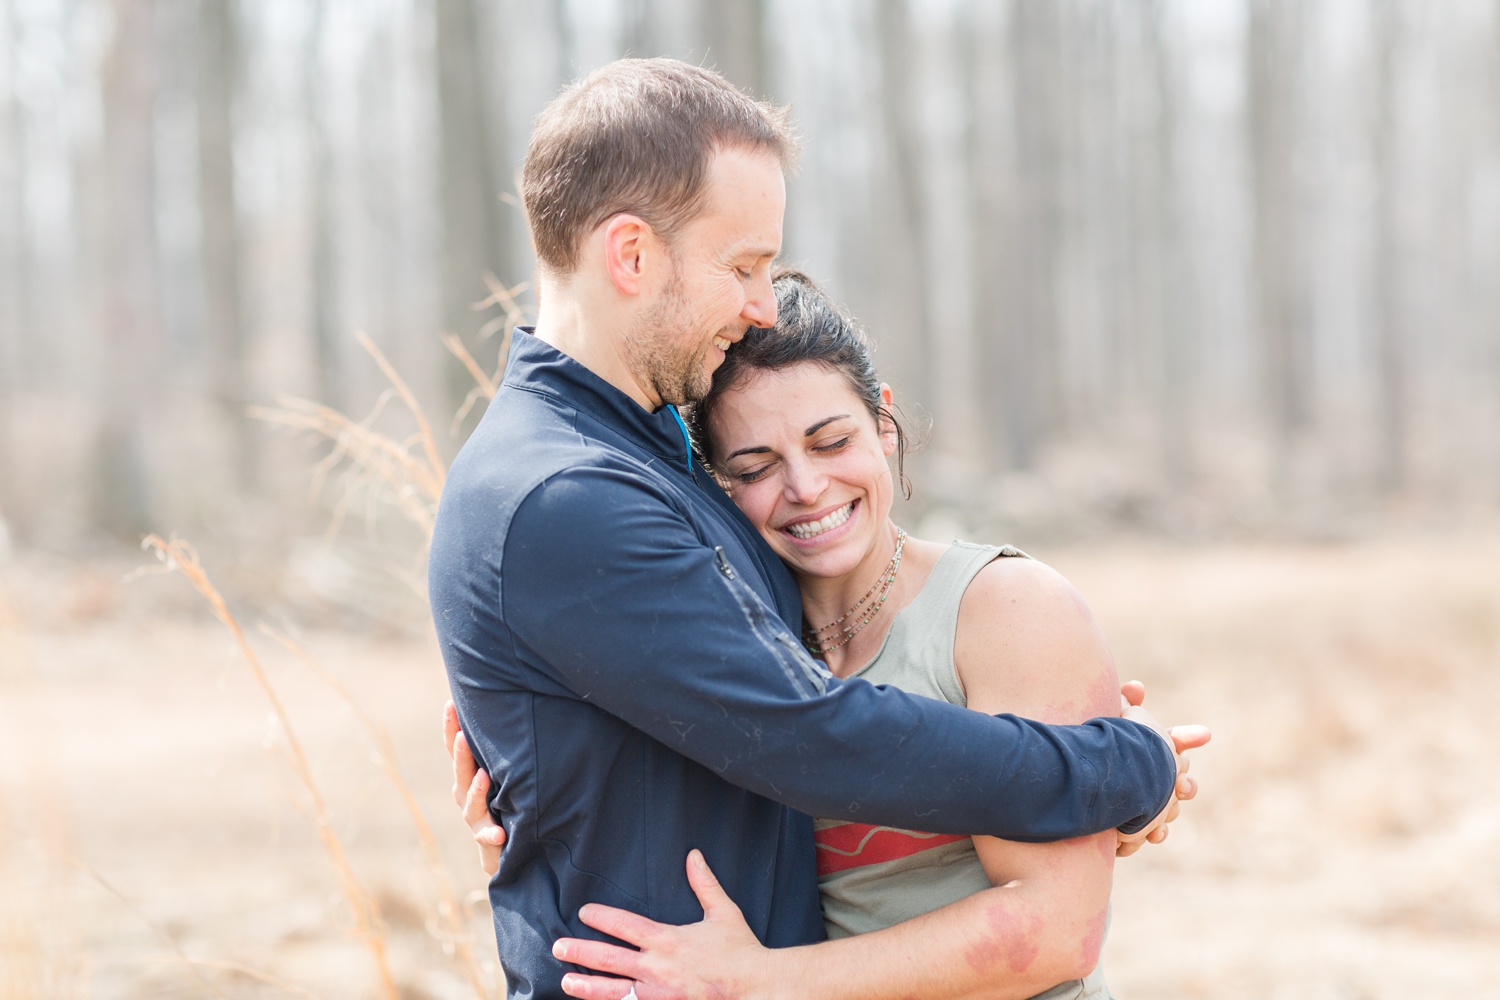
[{"x": 619, "y": 640}]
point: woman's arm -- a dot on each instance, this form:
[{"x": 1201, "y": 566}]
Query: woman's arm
[
  {"x": 1027, "y": 644},
  {"x": 984, "y": 947}
]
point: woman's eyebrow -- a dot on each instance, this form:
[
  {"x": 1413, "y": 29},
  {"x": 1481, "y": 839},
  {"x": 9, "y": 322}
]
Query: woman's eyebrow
[
  {"x": 823, "y": 423},
  {"x": 759, "y": 449}
]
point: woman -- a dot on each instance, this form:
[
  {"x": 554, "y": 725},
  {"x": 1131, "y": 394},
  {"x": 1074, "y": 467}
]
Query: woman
[{"x": 799, "y": 431}]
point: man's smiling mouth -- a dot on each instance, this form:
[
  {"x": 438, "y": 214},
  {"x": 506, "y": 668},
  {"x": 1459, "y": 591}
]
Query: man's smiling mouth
[
  {"x": 721, "y": 343},
  {"x": 811, "y": 529}
]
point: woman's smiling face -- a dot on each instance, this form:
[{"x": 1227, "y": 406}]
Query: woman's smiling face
[{"x": 806, "y": 462}]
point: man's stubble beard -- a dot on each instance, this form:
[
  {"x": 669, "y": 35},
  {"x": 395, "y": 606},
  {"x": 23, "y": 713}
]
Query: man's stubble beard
[{"x": 653, "y": 350}]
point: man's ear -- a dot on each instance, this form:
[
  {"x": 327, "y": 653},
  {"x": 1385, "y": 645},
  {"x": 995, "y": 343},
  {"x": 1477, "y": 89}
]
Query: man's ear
[
  {"x": 887, "y": 421},
  {"x": 626, "y": 239}
]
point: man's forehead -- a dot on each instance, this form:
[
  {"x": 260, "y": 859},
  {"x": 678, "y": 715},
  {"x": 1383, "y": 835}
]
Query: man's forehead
[
  {"x": 746, "y": 179},
  {"x": 744, "y": 209},
  {"x": 754, "y": 246}
]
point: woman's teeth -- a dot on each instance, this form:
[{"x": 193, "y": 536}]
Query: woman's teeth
[
  {"x": 808, "y": 529},
  {"x": 721, "y": 343}
]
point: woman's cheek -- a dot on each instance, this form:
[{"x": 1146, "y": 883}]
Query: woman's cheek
[
  {"x": 861, "y": 470},
  {"x": 755, "y": 501}
]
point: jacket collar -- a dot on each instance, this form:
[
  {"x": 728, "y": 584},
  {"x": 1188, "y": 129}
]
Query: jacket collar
[{"x": 537, "y": 366}]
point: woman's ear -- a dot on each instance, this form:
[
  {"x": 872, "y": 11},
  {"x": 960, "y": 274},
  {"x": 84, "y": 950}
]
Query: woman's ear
[{"x": 888, "y": 438}]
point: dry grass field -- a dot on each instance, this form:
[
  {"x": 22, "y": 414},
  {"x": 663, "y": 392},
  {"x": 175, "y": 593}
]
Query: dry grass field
[{"x": 155, "y": 843}]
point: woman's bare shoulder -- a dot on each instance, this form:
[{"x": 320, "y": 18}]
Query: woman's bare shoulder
[{"x": 1027, "y": 643}]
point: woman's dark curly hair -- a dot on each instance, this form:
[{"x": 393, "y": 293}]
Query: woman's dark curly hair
[{"x": 810, "y": 327}]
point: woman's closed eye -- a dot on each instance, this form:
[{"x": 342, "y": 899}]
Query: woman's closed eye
[
  {"x": 751, "y": 475},
  {"x": 758, "y": 472},
  {"x": 833, "y": 445}
]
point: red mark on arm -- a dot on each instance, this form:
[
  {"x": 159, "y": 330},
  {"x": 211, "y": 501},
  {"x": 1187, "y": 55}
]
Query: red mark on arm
[
  {"x": 1009, "y": 938},
  {"x": 1093, "y": 941}
]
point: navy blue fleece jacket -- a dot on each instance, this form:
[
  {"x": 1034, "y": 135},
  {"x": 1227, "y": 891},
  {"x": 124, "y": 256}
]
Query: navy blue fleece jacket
[{"x": 622, "y": 649}]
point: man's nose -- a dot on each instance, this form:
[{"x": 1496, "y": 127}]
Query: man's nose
[{"x": 760, "y": 303}]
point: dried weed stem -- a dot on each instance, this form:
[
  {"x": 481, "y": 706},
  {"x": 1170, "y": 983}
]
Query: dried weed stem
[
  {"x": 38, "y": 956},
  {"x": 375, "y": 457},
  {"x": 451, "y": 933},
  {"x": 415, "y": 481},
  {"x": 429, "y": 444},
  {"x": 178, "y": 555}
]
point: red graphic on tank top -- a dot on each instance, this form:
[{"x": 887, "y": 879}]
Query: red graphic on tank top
[{"x": 854, "y": 845}]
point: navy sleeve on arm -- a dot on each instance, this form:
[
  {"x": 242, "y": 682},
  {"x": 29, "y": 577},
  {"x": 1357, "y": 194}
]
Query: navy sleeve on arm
[{"x": 609, "y": 586}]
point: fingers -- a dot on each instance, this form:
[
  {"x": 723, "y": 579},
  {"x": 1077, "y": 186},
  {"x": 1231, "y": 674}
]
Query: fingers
[
  {"x": 1138, "y": 713},
  {"x": 596, "y": 987},
  {"x": 1159, "y": 834},
  {"x": 1186, "y": 787},
  {"x": 1126, "y": 848},
  {"x": 631, "y": 928},
  {"x": 450, "y": 725},
  {"x": 1134, "y": 692},
  {"x": 489, "y": 836},
  {"x": 490, "y": 840},
  {"x": 598, "y": 956},
  {"x": 464, "y": 767},
  {"x": 711, "y": 895},
  {"x": 1190, "y": 737},
  {"x": 476, "y": 808}
]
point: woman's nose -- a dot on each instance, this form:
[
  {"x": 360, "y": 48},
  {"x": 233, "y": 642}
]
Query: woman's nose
[{"x": 804, "y": 484}]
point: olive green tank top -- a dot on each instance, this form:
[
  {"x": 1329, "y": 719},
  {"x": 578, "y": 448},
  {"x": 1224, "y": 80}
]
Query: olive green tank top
[{"x": 871, "y": 877}]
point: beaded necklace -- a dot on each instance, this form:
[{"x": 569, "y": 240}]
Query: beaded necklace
[{"x": 818, "y": 643}]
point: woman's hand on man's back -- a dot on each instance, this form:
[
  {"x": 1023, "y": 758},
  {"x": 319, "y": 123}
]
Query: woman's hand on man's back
[{"x": 471, "y": 787}]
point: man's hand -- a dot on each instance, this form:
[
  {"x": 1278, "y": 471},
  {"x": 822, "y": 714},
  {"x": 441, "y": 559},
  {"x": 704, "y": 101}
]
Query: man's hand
[
  {"x": 717, "y": 957},
  {"x": 1181, "y": 739},
  {"x": 471, "y": 788}
]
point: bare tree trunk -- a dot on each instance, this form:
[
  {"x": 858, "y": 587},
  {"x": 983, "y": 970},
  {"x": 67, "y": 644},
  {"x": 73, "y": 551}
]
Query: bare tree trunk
[
  {"x": 674, "y": 28},
  {"x": 15, "y": 254},
  {"x": 562, "y": 24},
  {"x": 942, "y": 61},
  {"x": 1024, "y": 360},
  {"x": 218, "y": 65},
  {"x": 473, "y": 226},
  {"x": 1173, "y": 287},
  {"x": 1391, "y": 389},
  {"x": 901, "y": 292},
  {"x": 734, "y": 32},
  {"x": 327, "y": 356},
  {"x": 994, "y": 189},
  {"x": 1274, "y": 63},
  {"x": 131, "y": 317}
]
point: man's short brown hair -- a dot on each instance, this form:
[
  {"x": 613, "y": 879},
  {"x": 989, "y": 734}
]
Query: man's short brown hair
[{"x": 636, "y": 136}]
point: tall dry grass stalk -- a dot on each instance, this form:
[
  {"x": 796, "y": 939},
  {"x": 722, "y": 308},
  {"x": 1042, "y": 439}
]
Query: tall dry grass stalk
[
  {"x": 39, "y": 957},
  {"x": 511, "y": 315},
  {"x": 410, "y": 469},
  {"x": 448, "y": 928},
  {"x": 192, "y": 965},
  {"x": 411, "y": 473},
  {"x": 177, "y": 555}
]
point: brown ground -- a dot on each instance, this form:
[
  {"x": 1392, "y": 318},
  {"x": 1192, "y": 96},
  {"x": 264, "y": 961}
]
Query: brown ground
[{"x": 1346, "y": 845}]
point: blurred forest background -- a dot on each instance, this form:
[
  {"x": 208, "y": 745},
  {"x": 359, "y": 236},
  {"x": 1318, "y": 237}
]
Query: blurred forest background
[
  {"x": 1199, "y": 300},
  {"x": 1191, "y": 269}
]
